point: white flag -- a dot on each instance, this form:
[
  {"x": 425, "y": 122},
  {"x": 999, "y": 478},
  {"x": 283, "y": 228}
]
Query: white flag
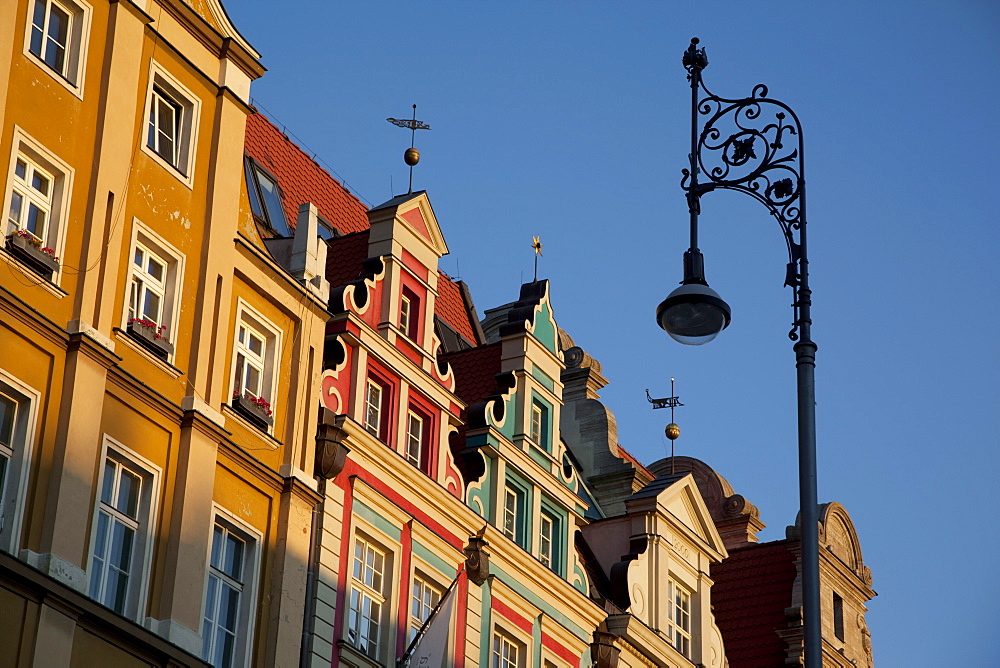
[{"x": 435, "y": 649}]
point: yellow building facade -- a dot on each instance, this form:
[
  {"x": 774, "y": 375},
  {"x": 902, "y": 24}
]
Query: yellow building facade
[{"x": 157, "y": 365}]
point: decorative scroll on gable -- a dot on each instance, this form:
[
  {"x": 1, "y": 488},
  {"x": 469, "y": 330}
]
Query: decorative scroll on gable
[
  {"x": 358, "y": 295},
  {"x": 532, "y": 313}
]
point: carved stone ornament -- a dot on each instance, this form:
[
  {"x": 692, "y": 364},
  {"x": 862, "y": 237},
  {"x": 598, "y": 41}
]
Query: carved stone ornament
[
  {"x": 331, "y": 453},
  {"x": 603, "y": 651},
  {"x": 477, "y": 560}
]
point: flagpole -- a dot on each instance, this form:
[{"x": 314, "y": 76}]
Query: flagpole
[{"x": 401, "y": 661}]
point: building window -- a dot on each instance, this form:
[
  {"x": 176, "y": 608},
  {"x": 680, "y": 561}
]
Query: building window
[
  {"x": 514, "y": 499},
  {"x": 409, "y": 315},
  {"x": 18, "y": 407},
  {"x": 265, "y": 200},
  {"x": 679, "y": 618},
  {"x": 227, "y": 626},
  {"x": 546, "y": 528},
  {"x": 255, "y": 355},
  {"x": 164, "y": 126},
  {"x": 414, "y": 438},
  {"x": 373, "y": 408},
  {"x": 121, "y": 536},
  {"x": 423, "y": 601},
  {"x": 35, "y": 205},
  {"x": 171, "y": 124},
  {"x": 56, "y": 38},
  {"x": 507, "y": 652},
  {"x": 30, "y": 199},
  {"x": 539, "y": 427},
  {"x": 838, "y": 616},
  {"x": 154, "y": 287},
  {"x": 148, "y": 287},
  {"x": 365, "y": 618}
]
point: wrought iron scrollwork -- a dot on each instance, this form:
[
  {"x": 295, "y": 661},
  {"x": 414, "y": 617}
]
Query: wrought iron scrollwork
[{"x": 752, "y": 145}]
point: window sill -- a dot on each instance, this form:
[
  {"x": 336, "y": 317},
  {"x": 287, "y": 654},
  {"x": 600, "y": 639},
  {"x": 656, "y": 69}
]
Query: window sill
[
  {"x": 16, "y": 264},
  {"x": 354, "y": 657},
  {"x": 231, "y": 413},
  {"x": 30, "y": 256},
  {"x": 73, "y": 88},
  {"x": 252, "y": 413},
  {"x": 175, "y": 171},
  {"x": 147, "y": 338},
  {"x": 164, "y": 365}
]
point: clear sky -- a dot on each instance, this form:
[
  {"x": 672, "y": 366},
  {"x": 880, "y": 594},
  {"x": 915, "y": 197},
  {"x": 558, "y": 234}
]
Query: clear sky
[{"x": 569, "y": 120}]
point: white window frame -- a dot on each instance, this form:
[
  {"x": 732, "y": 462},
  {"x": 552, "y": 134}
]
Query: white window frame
[
  {"x": 414, "y": 441},
  {"x": 147, "y": 513},
  {"x": 252, "y": 540},
  {"x": 546, "y": 539},
  {"x": 17, "y": 453},
  {"x": 405, "y": 314},
  {"x": 252, "y": 320},
  {"x": 26, "y": 148},
  {"x": 80, "y": 13},
  {"x": 501, "y": 644},
  {"x": 361, "y": 591},
  {"x": 537, "y": 417},
  {"x": 425, "y": 594},
  {"x": 162, "y": 86},
  {"x": 514, "y": 524},
  {"x": 169, "y": 289},
  {"x": 30, "y": 196},
  {"x": 374, "y": 405},
  {"x": 679, "y": 617}
]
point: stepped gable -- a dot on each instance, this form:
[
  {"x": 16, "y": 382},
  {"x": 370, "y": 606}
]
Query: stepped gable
[
  {"x": 630, "y": 458},
  {"x": 301, "y": 179},
  {"x": 752, "y": 589},
  {"x": 451, "y": 307},
  {"x": 475, "y": 372}
]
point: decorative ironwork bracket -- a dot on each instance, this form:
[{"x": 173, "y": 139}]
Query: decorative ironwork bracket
[{"x": 751, "y": 145}]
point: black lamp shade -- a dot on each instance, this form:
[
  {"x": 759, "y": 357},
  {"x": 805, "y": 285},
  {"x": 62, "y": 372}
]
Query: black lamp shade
[{"x": 693, "y": 314}]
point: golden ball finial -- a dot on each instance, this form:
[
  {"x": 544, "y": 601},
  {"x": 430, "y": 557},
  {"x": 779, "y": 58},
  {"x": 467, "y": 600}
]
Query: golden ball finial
[
  {"x": 411, "y": 156},
  {"x": 672, "y": 431}
]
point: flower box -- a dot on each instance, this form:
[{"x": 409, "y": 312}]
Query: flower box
[
  {"x": 29, "y": 251},
  {"x": 256, "y": 410},
  {"x": 150, "y": 336}
]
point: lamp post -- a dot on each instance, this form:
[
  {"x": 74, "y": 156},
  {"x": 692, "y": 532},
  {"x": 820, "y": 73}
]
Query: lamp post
[{"x": 754, "y": 145}]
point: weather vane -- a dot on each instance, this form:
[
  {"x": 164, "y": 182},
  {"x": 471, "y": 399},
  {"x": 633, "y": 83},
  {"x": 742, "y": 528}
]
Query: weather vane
[
  {"x": 411, "y": 156},
  {"x": 536, "y": 243},
  {"x": 672, "y": 431}
]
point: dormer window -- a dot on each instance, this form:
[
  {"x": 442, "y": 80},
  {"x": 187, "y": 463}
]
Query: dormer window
[
  {"x": 679, "y": 618},
  {"x": 373, "y": 408},
  {"x": 409, "y": 314},
  {"x": 265, "y": 199},
  {"x": 538, "y": 428}
]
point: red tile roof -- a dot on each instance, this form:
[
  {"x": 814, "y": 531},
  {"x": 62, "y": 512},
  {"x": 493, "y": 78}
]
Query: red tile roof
[
  {"x": 301, "y": 179},
  {"x": 753, "y": 586},
  {"x": 344, "y": 256},
  {"x": 451, "y": 307},
  {"x": 474, "y": 371}
]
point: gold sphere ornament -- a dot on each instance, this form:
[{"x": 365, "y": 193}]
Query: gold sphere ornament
[
  {"x": 411, "y": 156},
  {"x": 672, "y": 431}
]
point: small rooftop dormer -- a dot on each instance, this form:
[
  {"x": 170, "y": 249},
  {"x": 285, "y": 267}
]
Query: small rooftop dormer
[{"x": 406, "y": 236}]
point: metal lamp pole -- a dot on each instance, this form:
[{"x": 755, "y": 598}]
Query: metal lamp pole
[{"x": 742, "y": 146}]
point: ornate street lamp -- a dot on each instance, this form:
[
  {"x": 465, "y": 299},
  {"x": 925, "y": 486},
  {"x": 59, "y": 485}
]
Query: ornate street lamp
[{"x": 754, "y": 145}]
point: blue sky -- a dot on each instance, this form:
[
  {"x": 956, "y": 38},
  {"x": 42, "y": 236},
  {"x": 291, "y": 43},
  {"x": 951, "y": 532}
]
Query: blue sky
[{"x": 569, "y": 120}]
